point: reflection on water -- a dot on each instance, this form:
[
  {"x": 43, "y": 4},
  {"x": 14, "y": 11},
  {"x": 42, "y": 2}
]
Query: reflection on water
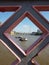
[
  {"x": 6, "y": 57},
  {"x": 43, "y": 57},
  {"x": 30, "y": 40}
]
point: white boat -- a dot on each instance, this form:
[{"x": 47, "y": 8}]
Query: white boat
[{"x": 23, "y": 39}]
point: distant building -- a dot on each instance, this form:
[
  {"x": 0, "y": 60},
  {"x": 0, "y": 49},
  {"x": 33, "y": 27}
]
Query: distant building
[
  {"x": 12, "y": 33},
  {"x": 39, "y": 31}
]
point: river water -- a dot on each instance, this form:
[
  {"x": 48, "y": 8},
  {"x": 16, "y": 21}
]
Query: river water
[{"x": 30, "y": 40}]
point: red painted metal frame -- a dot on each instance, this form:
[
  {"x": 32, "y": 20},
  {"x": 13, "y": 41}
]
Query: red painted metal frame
[
  {"x": 15, "y": 61},
  {"x": 36, "y": 22},
  {"x": 41, "y": 8},
  {"x": 34, "y": 61},
  {"x": 8, "y": 9}
]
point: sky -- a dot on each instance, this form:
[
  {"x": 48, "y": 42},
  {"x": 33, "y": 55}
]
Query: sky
[
  {"x": 26, "y": 25},
  {"x": 45, "y": 14},
  {"x": 5, "y": 15}
]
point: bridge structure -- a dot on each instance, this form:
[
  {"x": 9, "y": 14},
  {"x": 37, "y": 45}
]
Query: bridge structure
[{"x": 30, "y": 9}]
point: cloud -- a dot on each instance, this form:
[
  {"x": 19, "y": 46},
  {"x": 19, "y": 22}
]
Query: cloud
[{"x": 26, "y": 28}]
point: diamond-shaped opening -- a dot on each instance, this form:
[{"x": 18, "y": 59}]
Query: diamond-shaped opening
[
  {"x": 43, "y": 11},
  {"x": 45, "y": 14},
  {"x": 7, "y": 12},
  {"x": 43, "y": 57},
  {"x": 27, "y": 34},
  {"x": 7, "y": 56}
]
